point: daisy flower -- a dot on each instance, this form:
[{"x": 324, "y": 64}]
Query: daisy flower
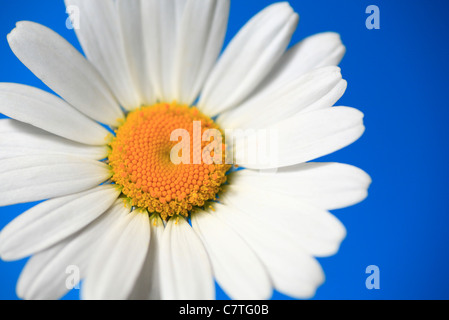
[{"x": 135, "y": 224}]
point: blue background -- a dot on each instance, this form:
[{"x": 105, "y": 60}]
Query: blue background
[{"x": 398, "y": 76}]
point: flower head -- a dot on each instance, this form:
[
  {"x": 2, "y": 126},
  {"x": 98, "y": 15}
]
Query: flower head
[{"x": 146, "y": 162}]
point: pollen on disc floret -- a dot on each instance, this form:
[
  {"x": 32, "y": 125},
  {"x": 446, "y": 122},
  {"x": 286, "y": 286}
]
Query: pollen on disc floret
[{"x": 142, "y": 167}]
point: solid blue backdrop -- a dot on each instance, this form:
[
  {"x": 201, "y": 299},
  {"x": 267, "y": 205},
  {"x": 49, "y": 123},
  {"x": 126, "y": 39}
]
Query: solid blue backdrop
[{"x": 397, "y": 76}]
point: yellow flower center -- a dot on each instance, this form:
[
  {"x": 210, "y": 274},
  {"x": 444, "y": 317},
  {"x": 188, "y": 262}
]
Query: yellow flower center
[{"x": 142, "y": 166}]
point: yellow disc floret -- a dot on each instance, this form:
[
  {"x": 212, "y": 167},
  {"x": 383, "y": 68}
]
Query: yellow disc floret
[{"x": 142, "y": 166}]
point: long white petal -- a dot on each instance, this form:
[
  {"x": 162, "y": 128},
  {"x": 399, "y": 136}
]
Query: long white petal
[
  {"x": 34, "y": 178},
  {"x": 312, "y": 228},
  {"x": 120, "y": 256},
  {"x": 326, "y": 185},
  {"x": 285, "y": 100},
  {"x": 133, "y": 26},
  {"x": 148, "y": 285},
  {"x": 61, "y": 67},
  {"x": 200, "y": 39},
  {"x": 185, "y": 269},
  {"x": 301, "y": 138},
  {"x": 54, "y": 220},
  {"x": 50, "y": 274},
  {"x": 19, "y": 139},
  {"x": 249, "y": 57},
  {"x": 317, "y": 51},
  {"x": 48, "y": 112},
  {"x": 30, "y": 275},
  {"x": 237, "y": 269},
  {"x": 293, "y": 271},
  {"x": 101, "y": 38},
  {"x": 161, "y": 26}
]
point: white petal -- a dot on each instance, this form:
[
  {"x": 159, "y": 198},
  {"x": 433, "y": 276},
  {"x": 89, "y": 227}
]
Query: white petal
[
  {"x": 148, "y": 284},
  {"x": 292, "y": 270},
  {"x": 101, "y": 38},
  {"x": 326, "y": 185},
  {"x": 317, "y": 51},
  {"x": 30, "y": 275},
  {"x": 19, "y": 139},
  {"x": 328, "y": 100},
  {"x": 161, "y": 25},
  {"x": 200, "y": 39},
  {"x": 285, "y": 100},
  {"x": 185, "y": 269},
  {"x": 237, "y": 269},
  {"x": 312, "y": 228},
  {"x": 120, "y": 256},
  {"x": 54, "y": 220},
  {"x": 50, "y": 274},
  {"x": 249, "y": 57},
  {"x": 34, "y": 178},
  {"x": 130, "y": 14},
  {"x": 48, "y": 112},
  {"x": 301, "y": 138},
  {"x": 61, "y": 67}
]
